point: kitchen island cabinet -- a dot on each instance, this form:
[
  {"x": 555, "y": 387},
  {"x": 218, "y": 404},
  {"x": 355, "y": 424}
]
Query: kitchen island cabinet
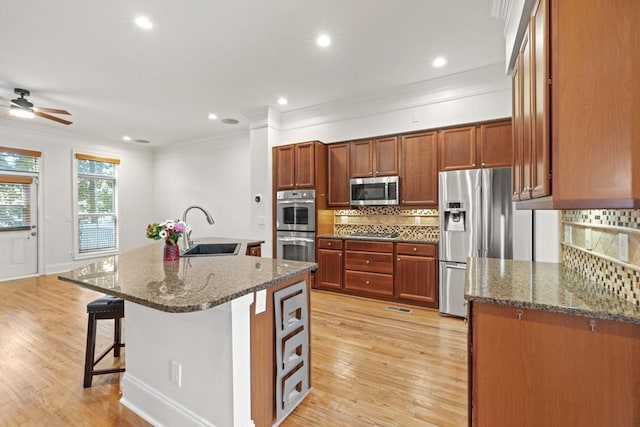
[
  {"x": 202, "y": 334},
  {"x": 549, "y": 347}
]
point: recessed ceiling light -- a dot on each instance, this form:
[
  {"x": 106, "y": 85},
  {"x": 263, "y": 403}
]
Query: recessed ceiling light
[
  {"x": 230, "y": 121},
  {"x": 440, "y": 61},
  {"x": 144, "y": 22},
  {"x": 323, "y": 40},
  {"x": 283, "y": 101},
  {"x": 212, "y": 116},
  {"x": 126, "y": 138}
]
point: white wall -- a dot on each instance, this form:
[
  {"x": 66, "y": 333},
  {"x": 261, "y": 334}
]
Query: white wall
[
  {"x": 56, "y": 189},
  {"x": 214, "y": 174},
  {"x": 547, "y": 236}
]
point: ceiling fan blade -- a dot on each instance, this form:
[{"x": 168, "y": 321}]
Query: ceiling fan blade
[
  {"x": 51, "y": 110},
  {"x": 8, "y": 101},
  {"x": 55, "y": 119}
]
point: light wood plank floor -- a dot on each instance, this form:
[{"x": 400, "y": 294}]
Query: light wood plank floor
[{"x": 371, "y": 366}]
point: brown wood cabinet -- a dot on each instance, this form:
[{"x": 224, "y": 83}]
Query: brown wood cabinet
[
  {"x": 300, "y": 166},
  {"x": 330, "y": 265},
  {"x": 254, "y": 250},
  {"x": 495, "y": 144},
  {"x": 369, "y": 267},
  {"x": 374, "y": 157},
  {"x": 538, "y": 368},
  {"x": 338, "y": 175},
  {"x": 488, "y": 145},
  {"x": 415, "y": 277},
  {"x": 419, "y": 171},
  {"x": 457, "y": 148}
]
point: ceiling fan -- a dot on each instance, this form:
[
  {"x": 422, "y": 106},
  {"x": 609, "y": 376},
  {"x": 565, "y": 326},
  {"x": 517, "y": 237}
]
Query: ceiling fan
[{"x": 21, "y": 107}]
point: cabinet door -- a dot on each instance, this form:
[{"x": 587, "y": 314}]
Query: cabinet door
[
  {"x": 338, "y": 168},
  {"x": 329, "y": 269},
  {"x": 516, "y": 176},
  {"x": 415, "y": 279},
  {"x": 495, "y": 146},
  {"x": 419, "y": 173},
  {"x": 362, "y": 159},
  {"x": 457, "y": 148},
  {"x": 541, "y": 173},
  {"x": 305, "y": 165},
  {"x": 527, "y": 125},
  {"x": 386, "y": 156},
  {"x": 285, "y": 167}
]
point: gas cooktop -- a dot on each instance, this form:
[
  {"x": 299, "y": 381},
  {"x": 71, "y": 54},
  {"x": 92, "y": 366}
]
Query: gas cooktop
[{"x": 376, "y": 235}]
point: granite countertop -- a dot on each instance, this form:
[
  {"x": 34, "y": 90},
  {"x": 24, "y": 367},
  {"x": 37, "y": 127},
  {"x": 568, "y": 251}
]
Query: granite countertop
[
  {"x": 398, "y": 239},
  {"x": 544, "y": 286},
  {"x": 189, "y": 284}
]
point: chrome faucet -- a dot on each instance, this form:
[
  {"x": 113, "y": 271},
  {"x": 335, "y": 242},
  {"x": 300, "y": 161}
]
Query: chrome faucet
[{"x": 187, "y": 240}]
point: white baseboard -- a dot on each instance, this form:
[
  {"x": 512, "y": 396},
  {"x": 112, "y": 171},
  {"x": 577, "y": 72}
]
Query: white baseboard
[{"x": 144, "y": 400}]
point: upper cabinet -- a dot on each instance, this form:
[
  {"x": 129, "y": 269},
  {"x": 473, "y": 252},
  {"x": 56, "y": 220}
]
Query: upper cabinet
[
  {"x": 374, "y": 157},
  {"x": 487, "y": 145},
  {"x": 338, "y": 171},
  {"x": 457, "y": 148},
  {"x": 579, "y": 90},
  {"x": 419, "y": 172},
  {"x": 301, "y": 166}
]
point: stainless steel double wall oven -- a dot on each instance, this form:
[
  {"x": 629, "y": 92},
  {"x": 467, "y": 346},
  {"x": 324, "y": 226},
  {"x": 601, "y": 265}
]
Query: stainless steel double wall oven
[{"x": 296, "y": 225}]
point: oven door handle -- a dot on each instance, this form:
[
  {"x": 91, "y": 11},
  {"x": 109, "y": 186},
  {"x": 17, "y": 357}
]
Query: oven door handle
[{"x": 295, "y": 239}]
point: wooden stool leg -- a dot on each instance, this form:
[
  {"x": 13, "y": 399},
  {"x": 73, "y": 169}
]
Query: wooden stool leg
[
  {"x": 90, "y": 351},
  {"x": 117, "y": 338}
]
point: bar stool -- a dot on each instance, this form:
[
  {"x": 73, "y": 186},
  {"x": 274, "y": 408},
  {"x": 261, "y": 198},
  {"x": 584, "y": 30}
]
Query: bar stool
[{"x": 107, "y": 307}]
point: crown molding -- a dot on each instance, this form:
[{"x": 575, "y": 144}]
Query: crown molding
[
  {"x": 264, "y": 117},
  {"x": 465, "y": 84},
  {"x": 501, "y": 9}
]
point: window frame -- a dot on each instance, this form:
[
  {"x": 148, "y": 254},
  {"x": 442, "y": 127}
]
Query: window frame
[{"x": 78, "y": 255}]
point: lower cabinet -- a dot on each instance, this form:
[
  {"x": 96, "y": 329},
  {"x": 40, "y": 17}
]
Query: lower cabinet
[
  {"x": 330, "y": 266},
  {"x": 538, "y": 368},
  {"x": 415, "y": 277},
  {"x": 393, "y": 271}
]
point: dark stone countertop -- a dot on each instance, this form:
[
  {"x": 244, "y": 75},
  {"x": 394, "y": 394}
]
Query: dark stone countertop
[
  {"x": 189, "y": 284},
  {"x": 545, "y": 287}
]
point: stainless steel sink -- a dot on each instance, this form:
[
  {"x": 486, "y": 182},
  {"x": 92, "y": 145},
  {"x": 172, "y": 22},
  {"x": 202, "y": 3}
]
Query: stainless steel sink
[{"x": 211, "y": 249}]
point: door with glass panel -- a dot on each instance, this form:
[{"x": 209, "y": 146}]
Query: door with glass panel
[{"x": 18, "y": 226}]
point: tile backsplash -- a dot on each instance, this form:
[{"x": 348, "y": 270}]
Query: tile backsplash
[
  {"x": 408, "y": 223},
  {"x": 591, "y": 246}
]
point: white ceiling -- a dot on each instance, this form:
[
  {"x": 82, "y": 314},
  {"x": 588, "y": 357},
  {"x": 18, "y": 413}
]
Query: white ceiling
[{"x": 229, "y": 57}]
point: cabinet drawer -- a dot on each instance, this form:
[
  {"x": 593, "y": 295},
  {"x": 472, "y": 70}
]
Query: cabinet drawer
[
  {"x": 329, "y": 244},
  {"x": 369, "y": 246},
  {"x": 369, "y": 261},
  {"x": 420, "y": 249},
  {"x": 369, "y": 282}
]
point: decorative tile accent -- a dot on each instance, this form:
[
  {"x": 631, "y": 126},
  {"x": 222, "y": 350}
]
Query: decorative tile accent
[
  {"x": 415, "y": 224},
  {"x": 623, "y": 282},
  {"x": 600, "y": 263}
]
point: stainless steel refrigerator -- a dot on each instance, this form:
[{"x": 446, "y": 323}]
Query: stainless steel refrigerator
[{"x": 475, "y": 221}]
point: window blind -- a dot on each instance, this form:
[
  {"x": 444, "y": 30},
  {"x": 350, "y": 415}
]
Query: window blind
[
  {"x": 18, "y": 160},
  {"x": 15, "y": 203},
  {"x": 96, "y": 208}
]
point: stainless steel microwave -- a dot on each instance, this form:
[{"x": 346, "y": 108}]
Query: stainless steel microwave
[{"x": 380, "y": 191}]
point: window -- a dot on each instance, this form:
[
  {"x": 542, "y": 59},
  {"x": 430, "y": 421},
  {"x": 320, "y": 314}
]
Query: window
[
  {"x": 18, "y": 170},
  {"x": 96, "y": 206}
]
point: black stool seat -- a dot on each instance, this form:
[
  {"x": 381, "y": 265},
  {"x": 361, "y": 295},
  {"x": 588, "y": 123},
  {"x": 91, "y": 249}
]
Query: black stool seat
[{"x": 107, "y": 307}]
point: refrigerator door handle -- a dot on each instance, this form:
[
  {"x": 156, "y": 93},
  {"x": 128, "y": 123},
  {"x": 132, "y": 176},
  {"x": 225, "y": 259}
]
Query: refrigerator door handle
[{"x": 479, "y": 233}]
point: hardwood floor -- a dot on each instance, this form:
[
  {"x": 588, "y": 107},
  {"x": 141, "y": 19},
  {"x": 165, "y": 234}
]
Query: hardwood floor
[{"x": 371, "y": 366}]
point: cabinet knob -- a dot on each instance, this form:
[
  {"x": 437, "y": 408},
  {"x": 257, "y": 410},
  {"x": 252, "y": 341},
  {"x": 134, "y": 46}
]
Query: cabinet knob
[
  {"x": 368, "y": 262},
  {"x": 398, "y": 258},
  {"x": 370, "y": 173},
  {"x": 484, "y": 164},
  {"x": 340, "y": 254},
  {"x": 377, "y": 172},
  {"x": 329, "y": 244},
  {"x": 367, "y": 282},
  {"x": 415, "y": 249}
]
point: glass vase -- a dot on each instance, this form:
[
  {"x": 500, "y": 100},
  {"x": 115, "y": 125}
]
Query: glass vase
[{"x": 171, "y": 252}]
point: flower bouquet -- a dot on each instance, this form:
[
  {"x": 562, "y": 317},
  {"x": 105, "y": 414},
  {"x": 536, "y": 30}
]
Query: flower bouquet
[{"x": 170, "y": 231}]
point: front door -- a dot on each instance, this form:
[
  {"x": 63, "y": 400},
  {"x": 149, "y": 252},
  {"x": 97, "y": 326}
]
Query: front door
[{"x": 18, "y": 227}]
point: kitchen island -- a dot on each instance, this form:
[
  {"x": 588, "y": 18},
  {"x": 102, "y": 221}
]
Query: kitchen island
[
  {"x": 549, "y": 347},
  {"x": 200, "y": 334}
]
